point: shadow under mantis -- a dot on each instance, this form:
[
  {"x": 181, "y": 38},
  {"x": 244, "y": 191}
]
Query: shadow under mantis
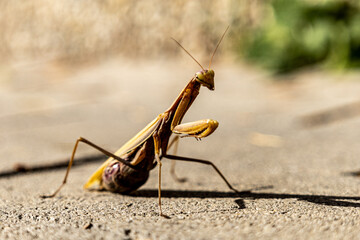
[{"x": 328, "y": 200}]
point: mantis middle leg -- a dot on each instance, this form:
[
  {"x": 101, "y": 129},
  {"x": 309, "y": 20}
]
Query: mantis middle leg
[
  {"x": 179, "y": 158},
  {"x": 175, "y": 142}
]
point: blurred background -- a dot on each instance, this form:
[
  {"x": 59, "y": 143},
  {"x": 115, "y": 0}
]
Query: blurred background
[
  {"x": 59, "y": 61},
  {"x": 280, "y": 35}
]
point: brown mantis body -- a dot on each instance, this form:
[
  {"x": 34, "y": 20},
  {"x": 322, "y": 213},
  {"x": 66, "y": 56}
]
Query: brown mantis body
[{"x": 128, "y": 168}]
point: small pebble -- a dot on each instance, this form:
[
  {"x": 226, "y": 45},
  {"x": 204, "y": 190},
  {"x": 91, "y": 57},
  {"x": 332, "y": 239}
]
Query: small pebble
[{"x": 88, "y": 226}]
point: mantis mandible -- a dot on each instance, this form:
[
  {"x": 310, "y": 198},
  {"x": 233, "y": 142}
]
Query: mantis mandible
[{"x": 128, "y": 168}]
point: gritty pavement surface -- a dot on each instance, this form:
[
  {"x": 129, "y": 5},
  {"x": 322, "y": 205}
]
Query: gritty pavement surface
[{"x": 295, "y": 178}]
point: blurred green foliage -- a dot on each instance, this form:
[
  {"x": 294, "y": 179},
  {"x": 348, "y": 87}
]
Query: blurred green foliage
[{"x": 297, "y": 33}]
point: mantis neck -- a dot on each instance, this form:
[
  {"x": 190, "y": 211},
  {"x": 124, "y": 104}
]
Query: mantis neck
[{"x": 183, "y": 102}]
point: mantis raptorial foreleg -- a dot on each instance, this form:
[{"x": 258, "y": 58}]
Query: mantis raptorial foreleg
[
  {"x": 107, "y": 153},
  {"x": 197, "y": 129},
  {"x": 179, "y": 158}
]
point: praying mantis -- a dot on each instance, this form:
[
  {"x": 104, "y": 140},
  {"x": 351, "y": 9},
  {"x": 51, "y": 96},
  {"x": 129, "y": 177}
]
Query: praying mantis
[{"x": 128, "y": 168}]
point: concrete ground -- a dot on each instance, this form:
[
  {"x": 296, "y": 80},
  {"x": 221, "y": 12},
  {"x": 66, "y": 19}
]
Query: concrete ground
[{"x": 294, "y": 170}]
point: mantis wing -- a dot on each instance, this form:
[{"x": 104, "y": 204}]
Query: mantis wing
[{"x": 133, "y": 143}]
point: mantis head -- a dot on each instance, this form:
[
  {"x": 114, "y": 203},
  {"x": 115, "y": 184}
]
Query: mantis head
[{"x": 206, "y": 76}]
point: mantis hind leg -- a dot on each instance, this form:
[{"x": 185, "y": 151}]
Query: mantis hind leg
[
  {"x": 186, "y": 159},
  {"x": 107, "y": 153}
]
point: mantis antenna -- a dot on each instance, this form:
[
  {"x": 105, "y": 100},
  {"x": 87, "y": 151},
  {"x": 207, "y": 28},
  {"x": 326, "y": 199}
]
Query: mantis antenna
[
  {"x": 189, "y": 54},
  {"x": 218, "y": 45}
]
